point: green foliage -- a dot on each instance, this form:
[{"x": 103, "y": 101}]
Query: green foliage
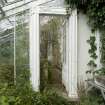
[
  {"x": 100, "y": 71},
  {"x": 22, "y": 44},
  {"x": 92, "y": 52},
  {"x": 103, "y": 49},
  {"x": 93, "y": 97},
  {"x": 6, "y": 74},
  {"x": 23, "y": 94},
  {"x": 81, "y": 5},
  {"x": 92, "y": 64},
  {"x": 96, "y": 14},
  {"x": 6, "y": 47},
  {"x": 45, "y": 75},
  {"x": 91, "y": 100}
]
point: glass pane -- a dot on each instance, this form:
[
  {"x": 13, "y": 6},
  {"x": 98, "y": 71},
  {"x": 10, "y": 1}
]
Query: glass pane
[
  {"x": 22, "y": 42},
  {"x": 7, "y": 51},
  {"x": 52, "y": 51}
]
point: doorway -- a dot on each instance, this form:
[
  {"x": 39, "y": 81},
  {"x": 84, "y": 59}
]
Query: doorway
[
  {"x": 52, "y": 52},
  {"x": 69, "y": 71}
]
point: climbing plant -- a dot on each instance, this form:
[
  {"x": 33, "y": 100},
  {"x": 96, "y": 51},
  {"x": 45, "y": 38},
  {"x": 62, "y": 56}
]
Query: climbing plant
[
  {"x": 95, "y": 11},
  {"x": 92, "y": 51}
]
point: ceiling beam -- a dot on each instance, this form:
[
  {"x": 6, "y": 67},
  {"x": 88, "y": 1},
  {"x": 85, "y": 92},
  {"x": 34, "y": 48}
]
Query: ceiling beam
[
  {"x": 21, "y": 6},
  {"x": 2, "y": 12},
  {"x": 5, "y": 1},
  {"x": 43, "y": 10},
  {"x": 2, "y": 2}
]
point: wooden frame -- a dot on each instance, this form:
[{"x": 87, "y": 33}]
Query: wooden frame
[
  {"x": 71, "y": 65},
  {"x": 21, "y": 6}
]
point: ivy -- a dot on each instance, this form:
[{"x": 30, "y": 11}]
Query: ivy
[{"x": 92, "y": 52}]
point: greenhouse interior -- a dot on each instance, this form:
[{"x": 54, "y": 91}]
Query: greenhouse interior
[{"x": 52, "y": 52}]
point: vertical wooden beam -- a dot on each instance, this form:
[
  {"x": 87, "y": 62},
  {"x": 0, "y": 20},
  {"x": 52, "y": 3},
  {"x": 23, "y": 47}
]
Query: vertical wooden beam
[
  {"x": 34, "y": 48},
  {"x": 66, "y": 65},
  {"x": 15, "y": 49},
  {"x": 72, "y": 55}
]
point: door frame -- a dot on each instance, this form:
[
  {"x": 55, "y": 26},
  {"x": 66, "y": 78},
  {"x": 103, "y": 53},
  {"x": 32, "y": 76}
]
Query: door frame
[{"x": 71, "y": 41}]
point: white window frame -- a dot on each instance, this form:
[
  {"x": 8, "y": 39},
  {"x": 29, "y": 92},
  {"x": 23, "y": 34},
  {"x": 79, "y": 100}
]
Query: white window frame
[{"x": 71, "y": 65}]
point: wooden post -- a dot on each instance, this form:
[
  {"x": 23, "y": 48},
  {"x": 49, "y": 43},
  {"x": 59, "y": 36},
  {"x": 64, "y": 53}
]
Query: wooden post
[
  {"x": 72, "y": 55},
  {"x": 34, "y": 48}
]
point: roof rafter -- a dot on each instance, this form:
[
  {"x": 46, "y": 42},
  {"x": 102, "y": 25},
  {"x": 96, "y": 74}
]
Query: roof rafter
[
  {"x": 2, "y": 12},
  {"x": 22, "y": 5}
]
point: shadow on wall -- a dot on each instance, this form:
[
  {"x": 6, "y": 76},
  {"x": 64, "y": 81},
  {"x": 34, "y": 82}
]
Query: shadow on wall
[{"x": 84, "y": 33}]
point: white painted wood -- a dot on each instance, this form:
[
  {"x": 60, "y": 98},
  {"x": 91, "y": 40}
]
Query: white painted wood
[
  {"x": 56, "y": 3},
  {"x": 17, "y": 9},
  {"x": 72, "y": 55},
  {"x": 15, "y": 5},
  {"x": 52, "y": 10},
  {"x": 34, "y": 48},
  {"x": 15, "y": 49},
  {"x": 65, "y": 70},
  {"x": 43, "y": 10},
  {"x": 21, "y": 6},
  {"x": 24, "y": 2}
]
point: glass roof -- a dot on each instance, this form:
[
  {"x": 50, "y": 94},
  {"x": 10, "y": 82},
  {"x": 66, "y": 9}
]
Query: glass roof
[
  {"x": 4, "y": 3},
  {"x": 7, "y": 2},
  {"x": 13, "y": 1}
]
